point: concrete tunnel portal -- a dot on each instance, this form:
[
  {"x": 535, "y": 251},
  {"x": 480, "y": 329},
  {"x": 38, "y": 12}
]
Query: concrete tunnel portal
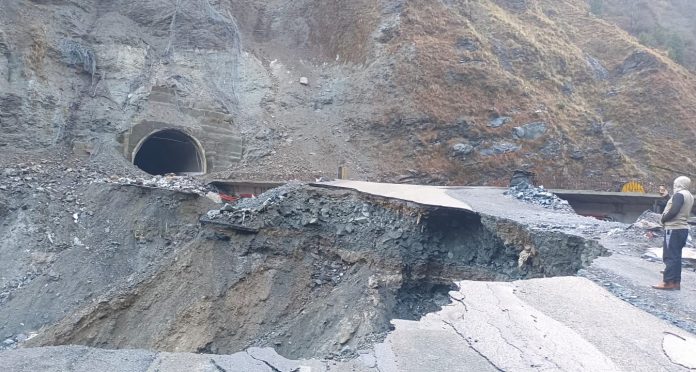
[{"x": 170, "y": 151}]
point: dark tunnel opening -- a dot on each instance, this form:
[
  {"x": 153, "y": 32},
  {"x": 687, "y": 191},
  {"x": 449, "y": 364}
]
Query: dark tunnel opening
[{"x": 170, "y": 151}]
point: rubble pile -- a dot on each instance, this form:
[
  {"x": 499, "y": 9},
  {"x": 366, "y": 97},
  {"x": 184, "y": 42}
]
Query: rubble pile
[
  {"x": 349, "y": 261},
  {"x": 648, "y": 225},
  {"x": 291, "y": 205},
  {"x": 538, "y": 196},
  {"x": 38, "y": 176},
  {"x": 73, "y": 230},
  {"x": 58, "y": 178},
  {"x": 647, "y": 230},
  {"x": 269, "y": 197},
  {"x": 48, "y": 182},
  {"x": 649, "y": 221},
  {"x": 338, "y": 251},
  {"x": 168, "y": 182},
  {"x": 242, "y": 207},
  {"x": 325, "y": 271}
]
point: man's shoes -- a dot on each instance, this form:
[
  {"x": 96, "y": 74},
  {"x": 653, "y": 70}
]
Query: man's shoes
[{"x": 668, "y": 286}]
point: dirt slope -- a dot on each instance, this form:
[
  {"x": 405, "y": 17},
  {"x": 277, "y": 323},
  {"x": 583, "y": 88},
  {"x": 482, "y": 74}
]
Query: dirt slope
[
  {"x": 460, "y": 91},
  {"x": 313, "y": 272},
  {"x": 610, "y": 107}
]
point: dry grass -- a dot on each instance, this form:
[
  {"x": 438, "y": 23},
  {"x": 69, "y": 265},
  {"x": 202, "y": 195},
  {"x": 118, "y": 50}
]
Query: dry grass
[
  {"x": 37, "y": 53},
  {"x": 348, "y": 35},
  {"x": 522, "y": 62}
]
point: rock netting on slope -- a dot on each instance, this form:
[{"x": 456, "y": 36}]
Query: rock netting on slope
[
  {"x": 539, "y": 196},
  {"x": 127, "y": 66}
]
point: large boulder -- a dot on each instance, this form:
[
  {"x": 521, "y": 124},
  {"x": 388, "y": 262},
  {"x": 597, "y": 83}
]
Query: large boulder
[
  {"x": 462, "y": 149},
  {"x": 530, "y": 131}
]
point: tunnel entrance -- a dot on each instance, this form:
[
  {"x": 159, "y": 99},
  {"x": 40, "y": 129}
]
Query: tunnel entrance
[{"x": 169, "y": 151}]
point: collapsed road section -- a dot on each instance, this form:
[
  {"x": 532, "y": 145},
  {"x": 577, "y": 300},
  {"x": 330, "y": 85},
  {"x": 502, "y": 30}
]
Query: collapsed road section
[
  {"x": 309, "y": 271},
  {"x": 344, "y": 274}
]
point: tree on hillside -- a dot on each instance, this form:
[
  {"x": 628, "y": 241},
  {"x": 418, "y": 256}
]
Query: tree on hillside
[
  {"x": 597, "y": 7},
  {"x": 676, "y": 47},
  {"x": 661, "y": 38}
]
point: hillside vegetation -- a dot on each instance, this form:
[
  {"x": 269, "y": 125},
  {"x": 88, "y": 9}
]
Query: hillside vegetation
[
  {"x": 612, "y": 108},
  {"x": 457, "y": 91}
]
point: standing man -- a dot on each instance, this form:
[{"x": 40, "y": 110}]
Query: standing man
[{"x": 674, "y": 219}]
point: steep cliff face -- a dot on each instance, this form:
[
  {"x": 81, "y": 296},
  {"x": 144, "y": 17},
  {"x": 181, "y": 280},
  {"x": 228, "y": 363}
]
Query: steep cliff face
[
  {"x": 81, "y": 73},
  {"x": 462, "y": 91}
]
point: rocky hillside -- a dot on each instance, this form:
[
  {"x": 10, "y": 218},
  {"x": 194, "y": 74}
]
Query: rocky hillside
[{"x": 453, "y": 91}]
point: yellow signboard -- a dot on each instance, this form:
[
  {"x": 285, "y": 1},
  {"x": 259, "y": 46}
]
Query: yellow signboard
[{"x": 632, "y": 186}]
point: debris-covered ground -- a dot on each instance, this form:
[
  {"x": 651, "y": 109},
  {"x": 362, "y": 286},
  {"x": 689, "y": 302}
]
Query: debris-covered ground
[
  {"x": 635, "y": 265},
  {"x": 539, "y": 196},
  {"x": 171, "y": 270},
  {"x": 155, "y": 263},
  {"x": 168, "y": 182},
  {"x": 307, "y": 271},
  {"x": 95, "y": 252},
  {"x": 262, "y": 272}
]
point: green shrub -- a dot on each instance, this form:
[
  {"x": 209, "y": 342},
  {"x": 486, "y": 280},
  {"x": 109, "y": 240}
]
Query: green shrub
[{"x": 661, "y": 38}]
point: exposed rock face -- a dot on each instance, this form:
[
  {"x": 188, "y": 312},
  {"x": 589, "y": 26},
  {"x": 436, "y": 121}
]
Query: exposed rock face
[
  {"x": 87, "y": 71},
  {"x": 530, "y": 131},
  {"x": 499, "y": 121},
  {"x": 295, "y": 88},
  {"x": 639, "y": 61},
  {"x": 305, "y": 270},
  {"x": 350, "y": 82},
  {"x": 499, "y": 149},
  {"x": 462, "y": 149}
]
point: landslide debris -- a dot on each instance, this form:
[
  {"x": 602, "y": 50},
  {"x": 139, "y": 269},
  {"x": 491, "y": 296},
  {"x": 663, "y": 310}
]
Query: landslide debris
[
  {"x": 538, "y": 196},
  {"x": 183, "y": 184},
  {"x": 67, "y": 237},
  {"x": 308, "y": 271}
]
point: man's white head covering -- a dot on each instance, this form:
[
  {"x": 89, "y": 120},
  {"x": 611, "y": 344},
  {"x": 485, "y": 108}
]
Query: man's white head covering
[{"x": 682, "y": 183}]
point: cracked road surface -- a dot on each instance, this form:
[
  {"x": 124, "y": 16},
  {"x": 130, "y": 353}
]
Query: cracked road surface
[{"x": 554, "y": 324}]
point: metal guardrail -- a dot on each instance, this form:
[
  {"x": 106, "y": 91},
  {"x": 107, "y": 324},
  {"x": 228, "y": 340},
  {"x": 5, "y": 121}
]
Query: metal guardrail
[
  {"x": 593, "y": 185},
  {"x": 569, "y": 183}
]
